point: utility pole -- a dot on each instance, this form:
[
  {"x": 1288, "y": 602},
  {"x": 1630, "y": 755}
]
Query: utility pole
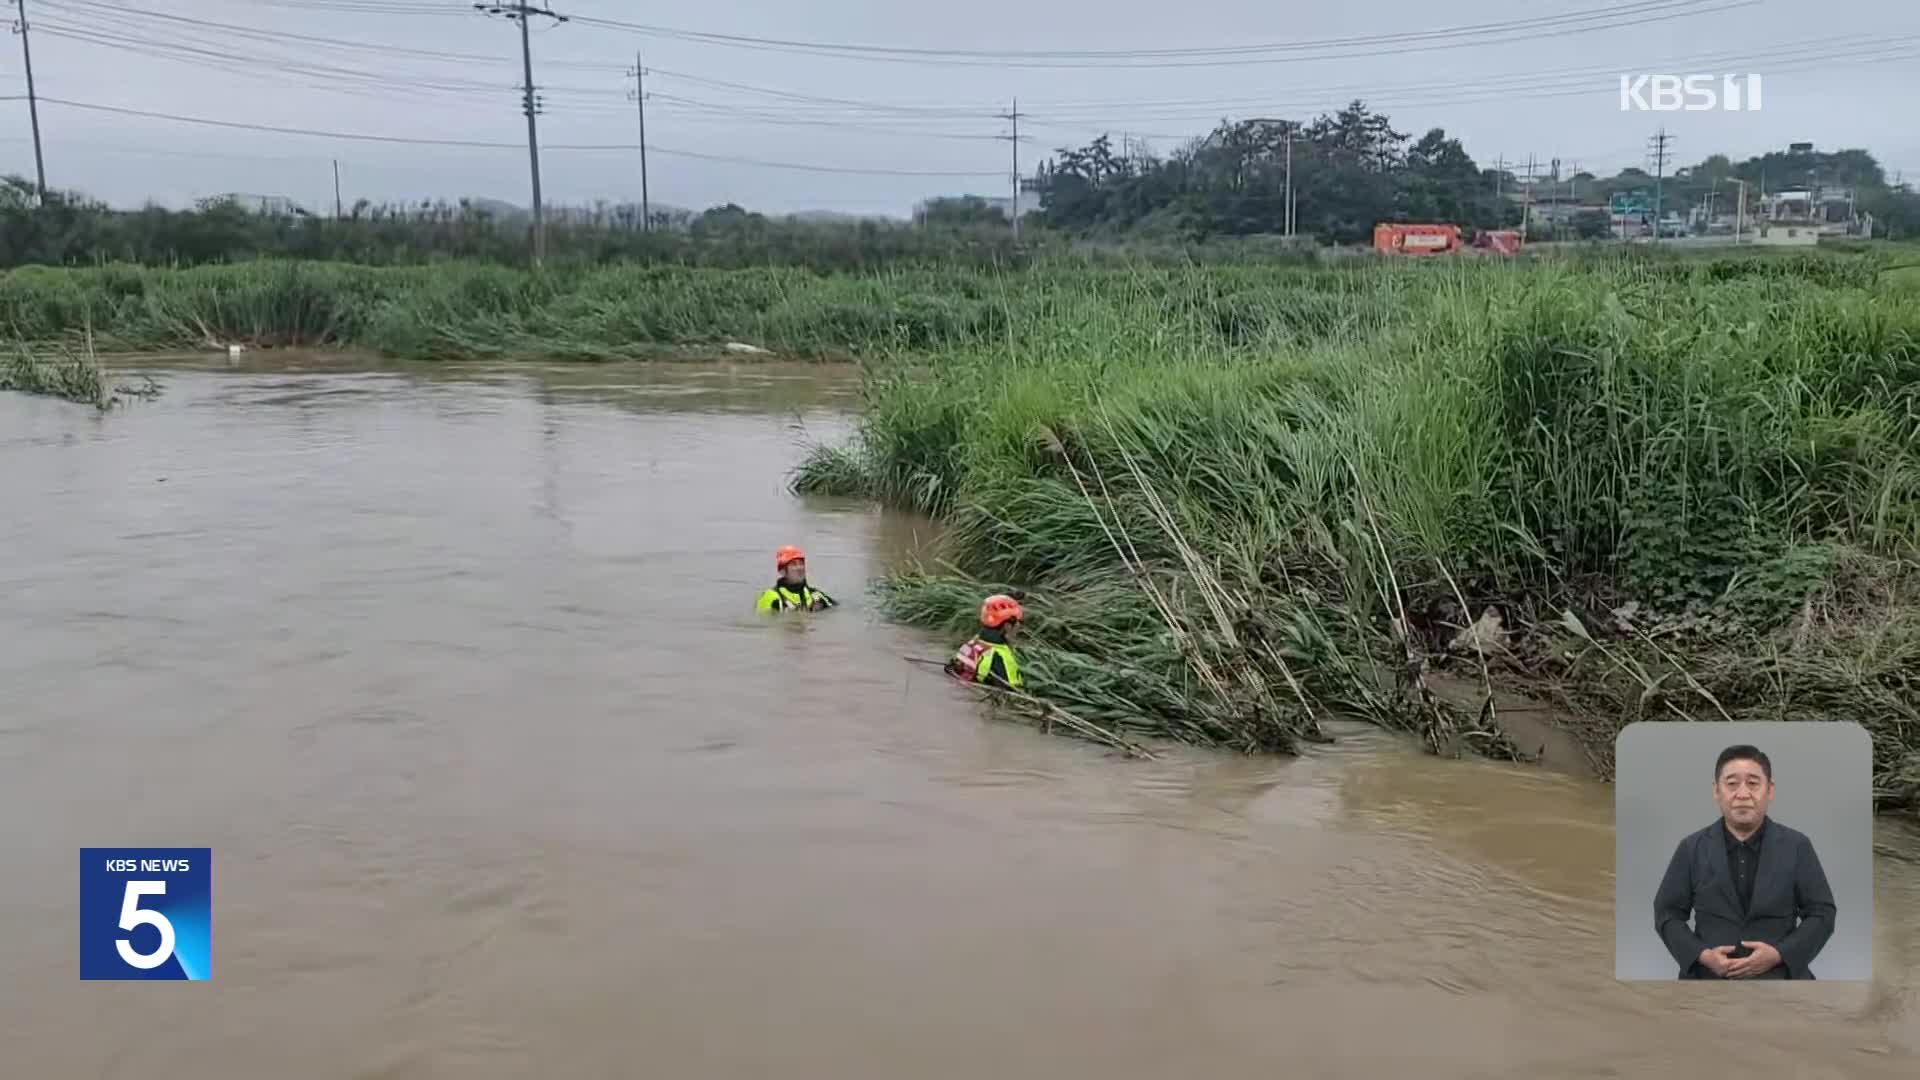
[
  {"x": 1289, "y": 131},
  {"x": 336, "y": 189},
  {"x": 1660, "y": 141},
  {"x": 1739, "y": 211},
  {"x": 33, "y": 103},
  {"x": 1015, "y": 140},
  {"x": 1287, "y": 199},
  {"x": 640, "y": 99},
  {"x": 1526, "y": 202},
  {"x": 522, "y": 13},
  {"x": 1553, "y": 201}
]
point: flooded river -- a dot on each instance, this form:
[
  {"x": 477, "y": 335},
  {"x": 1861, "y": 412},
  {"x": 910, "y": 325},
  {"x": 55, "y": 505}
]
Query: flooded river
[{"x": 456, "y": 672}]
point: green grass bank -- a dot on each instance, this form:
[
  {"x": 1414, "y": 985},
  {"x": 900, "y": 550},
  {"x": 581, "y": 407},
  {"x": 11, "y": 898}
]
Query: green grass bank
[
  {"x": 1626, "y": 489},
  {"x": 453, "y": 311}
]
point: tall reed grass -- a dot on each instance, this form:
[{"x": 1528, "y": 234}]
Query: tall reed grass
[
  {"x": 1682, "y": 490},
  {"x": 459, "y": 310}
]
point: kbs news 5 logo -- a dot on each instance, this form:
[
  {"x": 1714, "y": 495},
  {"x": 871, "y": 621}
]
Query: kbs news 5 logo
[{"x": 146, "y": 913}]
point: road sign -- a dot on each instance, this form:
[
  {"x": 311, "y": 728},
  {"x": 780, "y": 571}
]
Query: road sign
[{"x": 1630, "y": 202}]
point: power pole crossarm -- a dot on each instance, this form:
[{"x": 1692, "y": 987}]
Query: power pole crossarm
[
  {"x": 33, "y": 104},
  {"x": 522, "y": 12}
]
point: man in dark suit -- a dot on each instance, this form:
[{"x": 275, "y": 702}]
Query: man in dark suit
[{"x": 1759, "y": 902}]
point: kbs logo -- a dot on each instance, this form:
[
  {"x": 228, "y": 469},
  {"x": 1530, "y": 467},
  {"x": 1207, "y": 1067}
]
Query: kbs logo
[
  {"x": 146, "y": 913},
  {"x": 1689, "y": 93}
]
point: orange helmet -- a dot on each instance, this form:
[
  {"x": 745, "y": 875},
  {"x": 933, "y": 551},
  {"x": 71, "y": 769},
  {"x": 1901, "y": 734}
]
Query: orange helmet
[
  {"x": 998, "y": 609},
  {"x": 786, "y": 555}
]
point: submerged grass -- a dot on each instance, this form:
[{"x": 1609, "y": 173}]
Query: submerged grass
[
  {"x": 1641, "y": 488},
  {"x": 73, "y": 376},
  {"x": 73, "y": 373}
]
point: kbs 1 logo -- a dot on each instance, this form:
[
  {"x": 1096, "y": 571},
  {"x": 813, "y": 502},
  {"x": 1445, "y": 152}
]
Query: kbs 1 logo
[
  {"x": 1689, "y": 93},
  {"x": 146, "y": 913}
]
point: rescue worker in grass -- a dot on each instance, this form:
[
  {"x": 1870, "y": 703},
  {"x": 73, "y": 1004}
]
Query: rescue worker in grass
[
  {"x": 988, "y": 658},
  {"x": 791, "y": 592}
]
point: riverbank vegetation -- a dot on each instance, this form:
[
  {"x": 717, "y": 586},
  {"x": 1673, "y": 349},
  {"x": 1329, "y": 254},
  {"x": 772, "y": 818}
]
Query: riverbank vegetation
[
  {"x": 628, "y": 311},
  {"x": 1623, "y": 489},
  {"x": 632, "y": 311}
]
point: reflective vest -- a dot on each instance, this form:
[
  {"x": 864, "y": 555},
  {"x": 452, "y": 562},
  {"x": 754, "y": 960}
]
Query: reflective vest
[
  {"x": 974, "y": 662},
  {"x": 781, "y": 598}
]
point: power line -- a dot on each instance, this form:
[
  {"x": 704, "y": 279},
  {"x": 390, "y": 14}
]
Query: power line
[
  {"x": 1899, "y": 51},
  {"x": 267, "y": 35},
  {"x": 812, "y": 99},
  {"x": 1138, "y": 110},
  {"x": 1477, "y": 35},
  {"x": 199, "y": 55},
  {"x": 1849, "y": 46},
  {"x": 756, "y": 116},
  {"x": 478, "y": 144},
  {"x": 368, "y": 7}
]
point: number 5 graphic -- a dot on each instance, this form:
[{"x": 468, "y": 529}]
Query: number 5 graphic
[{"x": 132, "y": 915}]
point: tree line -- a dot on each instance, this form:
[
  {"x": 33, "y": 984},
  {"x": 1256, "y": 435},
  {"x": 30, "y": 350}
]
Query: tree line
[
  {"x": 1352, "y": 169},
  {"x": 70, "y": 229}
]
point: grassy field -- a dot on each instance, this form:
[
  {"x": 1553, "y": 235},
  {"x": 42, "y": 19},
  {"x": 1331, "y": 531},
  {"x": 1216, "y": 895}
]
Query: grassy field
[
  {"x": 621, "y": 312},
  {"x": 464, "y": 310},
  {"x": 1628, "y": 489}
]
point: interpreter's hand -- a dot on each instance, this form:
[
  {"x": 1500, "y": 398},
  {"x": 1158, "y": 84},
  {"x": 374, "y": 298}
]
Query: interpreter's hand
[
  {"x": 1764, "y": 959},
  {"x": 819, "y": 605},
  {"x": 1717, "y": 960}
]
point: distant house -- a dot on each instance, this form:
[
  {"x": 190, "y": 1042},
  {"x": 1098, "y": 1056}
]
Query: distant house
[{"x": 1774, "y": 234}]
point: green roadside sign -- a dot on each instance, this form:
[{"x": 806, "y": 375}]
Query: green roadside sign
[{"x": 1632, "y": 202}]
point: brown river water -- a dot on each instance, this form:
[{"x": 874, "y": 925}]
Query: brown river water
[{"x": 456, "y": 672}]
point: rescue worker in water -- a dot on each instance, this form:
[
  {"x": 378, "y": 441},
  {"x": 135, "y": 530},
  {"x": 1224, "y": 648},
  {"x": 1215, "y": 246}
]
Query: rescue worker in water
[
  {"x": 988, "y": 658},
  {"x": 791, "y": 592}
]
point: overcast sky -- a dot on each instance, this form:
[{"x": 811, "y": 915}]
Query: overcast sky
[{"x": 1842, "y": 73}]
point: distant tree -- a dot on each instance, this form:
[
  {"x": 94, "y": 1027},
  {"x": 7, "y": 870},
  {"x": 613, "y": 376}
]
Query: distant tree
[{"x": 962, "y": 212}]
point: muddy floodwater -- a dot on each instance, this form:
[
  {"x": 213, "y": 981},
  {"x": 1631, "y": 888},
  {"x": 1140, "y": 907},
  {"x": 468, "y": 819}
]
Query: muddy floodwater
[{"x": 456, "y": 671}]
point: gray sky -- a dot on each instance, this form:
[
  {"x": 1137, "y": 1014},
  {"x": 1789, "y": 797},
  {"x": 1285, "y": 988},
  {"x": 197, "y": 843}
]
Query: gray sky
[{"x": 1839, "y": 74}]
